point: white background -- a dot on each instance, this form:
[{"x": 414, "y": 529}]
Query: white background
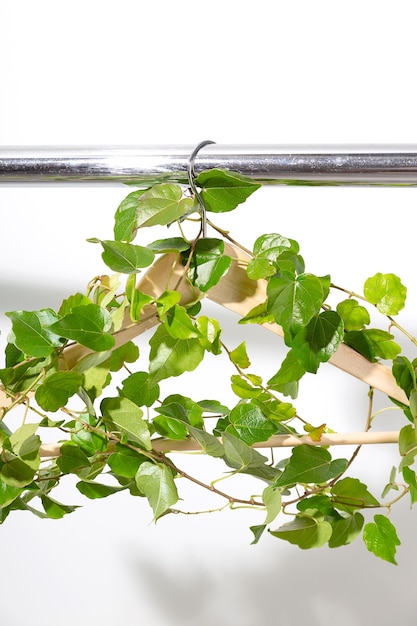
[{"x": 99, "y": 72}]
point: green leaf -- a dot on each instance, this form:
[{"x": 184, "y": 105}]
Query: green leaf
[
  {"x": 294, "y": 301},
  {"x": 183, "y": 409},
  {"x": 208, "y": 264},
  {"x": 411, "y": 480},
  {"x": 387, "y": 292},
  {"x": 54, "y": 509},
  {"x": 172, "y": 244},
  {"x": 19, "y": 458},
  {"x": 258, "y": 531},
  {"x": 78, "y": 299},
  {"x": 305, "y": 532},
  {"x": 286, "y": 379},
  {"x": 272, "y": 245},
  {"x": 272, "y": 499},
  {"x": 260, "y": 268},
  {"x": 72, "y": 458},
  {"x": 310, "y": 465},
  {"x": 345, "y": 530},
  {"x": 32, "y": 332},
  {"x": 213, "y": 406},
  {"x": 258, "y": 315},
  {"x": 354, "y": 316},
  {"x": 95, "y": 490},
  {"x": 223, "y": 191},
  {"x": 125, "y": 225},
  {"x": 243, "y": 389},
  {"x": 89, "y": 325},
  {"x": 407, "y": 443},
  {"x": 55, "y": 392},
  {"x": 8, "y": 493},
  {"x": 125, "y": 462},
  {"x": 210, "y": 332},
  {"x": 157, "y": 483},
  {"x": 239, "y": 455},
  {"x": 359, "y": 341},
  {"x": 239, "y": 356},
  {"x": 89, "y": 441},
  {"x": 172, "y": 357},
  {"x": 209, "y": 443},
  {"x": 123, "y": 415},
  {"x": 126, "y": 353},
  {"x": 250, "y": 423},
  {"x": 316, "y": 342},
  {"x": 166, "y": 301},
  {"x": 126, "y": 257},
  {"x": 404, "y": 374},
  {"x": 162, "y": 204},
  {"x": 381, "y": 538},
  {"x": 350, "y": 494},
  {"x": 179, "y": 324},
  {"x": 138, "y": 389},
  {"x": 382, "y": 343}
]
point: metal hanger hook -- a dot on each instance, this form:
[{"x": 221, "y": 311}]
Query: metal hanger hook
[{"x": 191, "y": 176}]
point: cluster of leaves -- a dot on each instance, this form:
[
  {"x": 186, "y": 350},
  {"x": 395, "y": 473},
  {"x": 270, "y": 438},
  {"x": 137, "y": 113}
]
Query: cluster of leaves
[{"x": 118, "y": 437}]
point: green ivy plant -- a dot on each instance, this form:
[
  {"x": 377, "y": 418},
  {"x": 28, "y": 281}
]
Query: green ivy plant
[{"x": 109, "y": 442}]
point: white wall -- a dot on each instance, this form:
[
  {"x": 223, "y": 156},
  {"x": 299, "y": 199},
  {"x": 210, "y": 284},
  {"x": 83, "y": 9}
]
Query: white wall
[{"x": 160, "y": 72}]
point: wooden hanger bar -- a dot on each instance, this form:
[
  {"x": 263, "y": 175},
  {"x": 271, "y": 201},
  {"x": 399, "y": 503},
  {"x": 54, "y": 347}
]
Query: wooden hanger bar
[{"x": 346, "y": 164}]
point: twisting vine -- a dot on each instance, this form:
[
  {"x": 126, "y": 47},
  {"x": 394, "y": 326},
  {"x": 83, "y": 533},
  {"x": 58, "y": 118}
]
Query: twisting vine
[{"x": 59, "y": 365}]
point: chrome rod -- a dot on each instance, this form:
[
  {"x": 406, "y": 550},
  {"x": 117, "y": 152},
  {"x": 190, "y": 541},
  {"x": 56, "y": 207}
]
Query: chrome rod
[{"x": 351, "y": 164}]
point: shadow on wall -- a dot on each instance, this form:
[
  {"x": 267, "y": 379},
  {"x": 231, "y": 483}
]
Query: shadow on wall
[{"x": 323, "y": 587}]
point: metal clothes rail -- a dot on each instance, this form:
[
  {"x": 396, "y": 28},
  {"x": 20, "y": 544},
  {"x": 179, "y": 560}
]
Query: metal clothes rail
[{"x": 350, "y": 164}]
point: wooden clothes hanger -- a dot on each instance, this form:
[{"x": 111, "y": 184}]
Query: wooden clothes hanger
[{"x": 239, "y": 294}]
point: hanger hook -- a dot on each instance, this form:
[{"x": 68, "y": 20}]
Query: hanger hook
[{"x": 191, "y": 176}]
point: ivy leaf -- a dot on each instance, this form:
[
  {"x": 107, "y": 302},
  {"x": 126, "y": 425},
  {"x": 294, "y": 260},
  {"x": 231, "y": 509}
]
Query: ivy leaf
[
  {"x": 123, "y": 257},
  {"x": 305, "y": 532},
  {"x": 77, "y": 299},
  {"x": 310, "y": 465},
  {"x": 250, "y": 424},
  {"x": 54, "y": 509},
  {"x": 171, "y": 244},
  {"x": 411, "y": 480},
  {"x": 172, "y": 357},
  {"x": 126, "y": 217},
  {"x": 345, "y": 530},
  {"x": 405, "y": 375},
  {"x": 157, "y": 483},
  {"x": 161, "y": 204},
  {"x": 286, "y": 379},
  {"x": 55, "y": 392},
  {"x": 316, "y": 342},
  {"x": 354, "y": 316},
  {"x": 381, "y": 538},
  {"x": 138, "y": 389},
  {"x": 382, "y": 343},
  {"x": 210, "y": 332},
  {"x": 125, "y": 462},
  {"x": 125, "y": 416},
  {"x": 293, "y": 301},
  {"x": 89, "y": 325},
  {"x": 260, "y": 268},
  {"x": 94, "y": 490},
  {"x": 126, "y": 353},
  {"x": 223, "y": 191},
  {"x": 239, "y": 356},
  {"x": 32, "y": 332},
  {"x": 360, "y": 342},
  {"x": 272, "y": 499},
  {"x": 387, "y": 292},
  {"x": 350, "y": 494},
  {"x": 19, "y": 458},
  {"x": 208, "y": 264},
  {"x": 208, "y": 442},
  {"x": 8, "y": 493},
  {"x": 243, "y": 389},
  {"x": 72, "y": 458},
  {"x": 179, "y": 324},
  {"x": 239, "y": 455},
  {"x": 258, "y": 531},
  {"x": 272, "y": 245},
  {"x": 407, "y": 443}
]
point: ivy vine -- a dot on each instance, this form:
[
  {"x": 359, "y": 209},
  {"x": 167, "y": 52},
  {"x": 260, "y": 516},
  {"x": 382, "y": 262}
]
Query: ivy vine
[{"x": 59, "y": 366}]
